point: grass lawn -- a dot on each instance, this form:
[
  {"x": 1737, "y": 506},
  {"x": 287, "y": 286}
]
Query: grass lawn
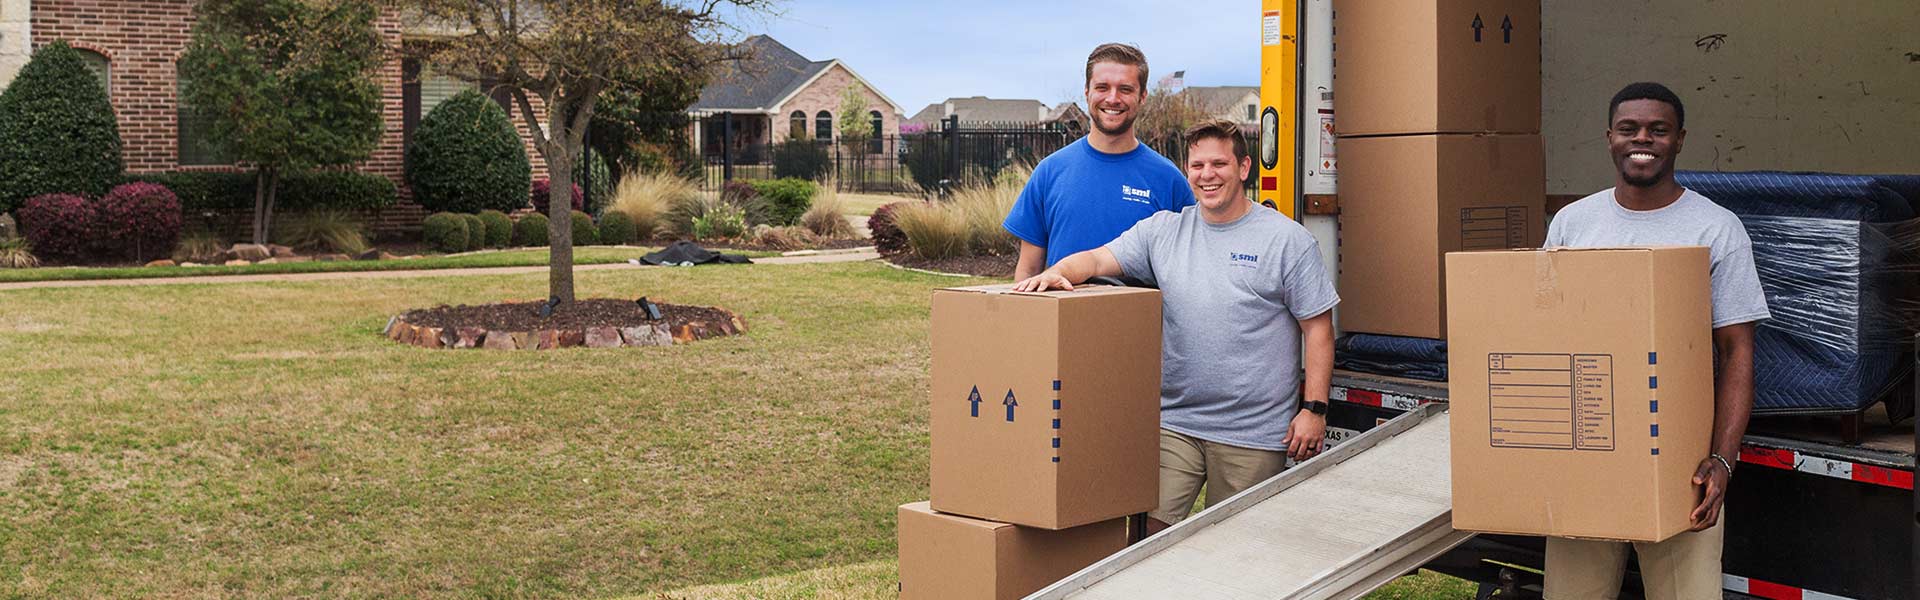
[
  {"x": 525, "y": 257},
  {"x": 262, "y": 440}
]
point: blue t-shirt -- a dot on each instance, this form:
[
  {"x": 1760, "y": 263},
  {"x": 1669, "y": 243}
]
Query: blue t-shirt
[{"x": 1081, "y": 198}]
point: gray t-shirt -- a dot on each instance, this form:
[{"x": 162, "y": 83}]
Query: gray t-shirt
[
  {"x": 1598, "y": 221},
  {"x": 1233, "y": 293}
]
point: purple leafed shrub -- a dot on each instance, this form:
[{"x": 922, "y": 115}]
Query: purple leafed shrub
[
  {"x": 58, "y": 224},
  {"x": 139, "y": 220},
  {"x": 543, "y": 188}
]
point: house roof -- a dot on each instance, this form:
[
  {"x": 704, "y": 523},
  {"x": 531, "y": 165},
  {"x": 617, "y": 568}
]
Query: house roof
[
  {"x": 983, "y": 109},
  {"x": 773, "y": 74},
  {"x": 1219, "y": 98}
]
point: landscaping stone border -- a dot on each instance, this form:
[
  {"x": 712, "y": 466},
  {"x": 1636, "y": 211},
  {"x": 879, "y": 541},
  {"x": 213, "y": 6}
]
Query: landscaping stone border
[{"x": 656, "y": 334}]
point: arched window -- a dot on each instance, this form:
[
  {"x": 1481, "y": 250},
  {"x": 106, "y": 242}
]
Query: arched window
[
  {"x": 823, "y": 126},
  {"x": 98, "y": 64},
  {"x": 797, "y": 125}
]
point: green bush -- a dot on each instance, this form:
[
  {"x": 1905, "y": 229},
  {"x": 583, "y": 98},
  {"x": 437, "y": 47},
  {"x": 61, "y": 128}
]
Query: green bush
[
  {"x": 445, "y": 232},
  {"x": 530, "y": 230},
  {"x": 476, "y": 232},
  {"x": 466, "y": 157},
  {"x": 801, "y": 158},
  {"x": 318, "y": 190},
  {"x": 722, "y": 222},
  {"x": 584, "y": 233},
  {"x": 786, "y": 199},
  {"x": 499, "y": 228},
  {"x": 616, "y": 228},
  {"x": 57, "y": 130}
]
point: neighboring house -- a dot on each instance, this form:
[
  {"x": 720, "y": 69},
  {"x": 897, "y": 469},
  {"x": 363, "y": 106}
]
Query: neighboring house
[
  {"x": 776, "y": 95},
  {"x": 981, "y": 111},
  {"x": 133, "y": 45},
  {"x": 1237, "y": 103}
]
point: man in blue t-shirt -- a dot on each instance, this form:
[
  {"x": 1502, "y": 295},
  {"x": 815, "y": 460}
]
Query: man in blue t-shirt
[{"x": 1086, "y": 194}]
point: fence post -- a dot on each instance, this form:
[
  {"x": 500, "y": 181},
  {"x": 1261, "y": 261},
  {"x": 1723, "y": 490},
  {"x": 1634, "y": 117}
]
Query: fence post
[
  {"x": 726, "y": 147},
  {"x": 952, "y": 131}
]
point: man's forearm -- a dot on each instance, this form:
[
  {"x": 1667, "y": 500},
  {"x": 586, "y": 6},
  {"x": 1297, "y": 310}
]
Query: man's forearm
[
  {"x": 1033, "y": 259},
  {"x": 1318, "y": 338}
]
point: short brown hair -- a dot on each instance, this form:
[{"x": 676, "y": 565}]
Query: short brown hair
[
  {"x": 1219, "y": 129},
  {"x": 1119, "y": 54}
]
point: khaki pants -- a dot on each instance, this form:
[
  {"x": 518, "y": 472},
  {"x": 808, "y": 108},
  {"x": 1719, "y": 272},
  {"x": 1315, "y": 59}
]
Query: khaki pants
[
  {"x": 1685, "y": 567},
  {"x": 1187, "y": 462}
]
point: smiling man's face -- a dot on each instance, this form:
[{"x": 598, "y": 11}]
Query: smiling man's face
[
  {"x": 1645, "y": 141},
  {"x": 1113, "y": 97}
]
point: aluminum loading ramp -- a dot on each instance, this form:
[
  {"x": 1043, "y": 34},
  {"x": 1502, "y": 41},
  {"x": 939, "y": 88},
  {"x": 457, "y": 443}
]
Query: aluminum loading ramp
[{"x": 1337, "y": 526}]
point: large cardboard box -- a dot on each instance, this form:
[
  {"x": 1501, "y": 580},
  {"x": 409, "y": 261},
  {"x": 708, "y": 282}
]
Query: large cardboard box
[
  {"x": 1445, "y": 66},
  {"x": 1046, "y": 406},
  {"x": 1582, "y": 390},
  {"x": 950, "y": 557},
  {"x": 1407, "y": 201}
]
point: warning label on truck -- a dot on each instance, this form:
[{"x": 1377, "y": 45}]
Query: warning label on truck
[
  {"x": 1554, "y": 401},
  {"x": 1493, "y": 228}
]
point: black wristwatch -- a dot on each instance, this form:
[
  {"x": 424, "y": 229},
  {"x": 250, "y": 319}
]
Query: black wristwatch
[{"x": 1314, "y": 406}]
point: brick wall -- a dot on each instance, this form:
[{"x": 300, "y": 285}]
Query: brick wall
[
  {"x": 824, "y": 94},
  {"x": 142, "y": 39}
]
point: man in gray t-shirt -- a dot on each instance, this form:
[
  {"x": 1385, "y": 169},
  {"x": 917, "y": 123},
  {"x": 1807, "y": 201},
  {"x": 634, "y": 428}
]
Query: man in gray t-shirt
[
  {"x": 1242, "y": 286},
  {"x": 1647, "y": 207}
]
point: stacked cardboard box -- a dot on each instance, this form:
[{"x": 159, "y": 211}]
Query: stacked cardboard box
[
  {"x": 1439, "y": 105},
  {"x": 1045, "y": 431}
]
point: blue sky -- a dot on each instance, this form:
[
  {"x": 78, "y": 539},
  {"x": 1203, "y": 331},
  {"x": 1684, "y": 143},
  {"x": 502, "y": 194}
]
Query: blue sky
[{"x": 919, "y": 52}]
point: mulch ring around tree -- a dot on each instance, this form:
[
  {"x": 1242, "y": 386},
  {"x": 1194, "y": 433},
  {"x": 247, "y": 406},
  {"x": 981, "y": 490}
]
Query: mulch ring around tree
[
  {"x": 596, "y": 323},
  {"x": 979, "y": 266}
]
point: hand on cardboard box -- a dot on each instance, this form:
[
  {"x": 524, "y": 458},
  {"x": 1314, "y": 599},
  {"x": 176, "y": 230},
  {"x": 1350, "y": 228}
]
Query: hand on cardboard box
[
  {"x": 1712, "y": 479},
  {"x": 1046, "y": 280}
]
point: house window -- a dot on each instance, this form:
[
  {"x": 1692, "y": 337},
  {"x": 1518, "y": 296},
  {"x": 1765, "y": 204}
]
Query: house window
[
  {"x": 797, "y": 125},
  {"x": 436, "y": 88},
  {"x": 879, "y": 131},
  {"x": 1251, "y": 114},
  {"x": 97, "y": 63},
  {"x": 194, "y": 133},
  {"x": 823, "y": 126}
]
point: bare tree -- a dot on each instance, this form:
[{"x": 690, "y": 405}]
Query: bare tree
[{"x": 565, "y": 52}]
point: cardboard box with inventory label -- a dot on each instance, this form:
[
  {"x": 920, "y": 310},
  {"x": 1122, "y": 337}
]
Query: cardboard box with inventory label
[
  {"x": 1581, "y": 388},
  {"x": 1445, "y": 66},
  {"x": 1045, "y": 406},
  {"x": 1407, "y": 201},
  {"x": 946, "y": 556}
]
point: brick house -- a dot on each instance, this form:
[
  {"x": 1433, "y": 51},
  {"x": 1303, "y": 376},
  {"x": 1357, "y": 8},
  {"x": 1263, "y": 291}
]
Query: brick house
[
  {"x": 133, "y": 46},
  {"x": 779, "y": 95}
]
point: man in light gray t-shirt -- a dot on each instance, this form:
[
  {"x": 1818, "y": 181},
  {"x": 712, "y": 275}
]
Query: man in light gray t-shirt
[
  {"x": 1242, "y": 287},
  {"x": 1647, "y": 207}
]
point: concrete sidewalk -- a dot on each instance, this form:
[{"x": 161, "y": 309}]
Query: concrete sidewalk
[{"x": 810, "y": 257}]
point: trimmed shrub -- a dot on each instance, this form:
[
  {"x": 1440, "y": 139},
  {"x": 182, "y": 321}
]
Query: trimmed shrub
[
  {"x": 333, "y": 189},
  {"x": 786, "y": 199},
  {"x": 466, "y": 157},
  {"x": 218, "y": 191},
  {"x": 541, "y": 189},
  {"x": 826, "y": 218},
  {"x": 445, "y": 232},
  {"x": 499, "y": 228},
  {"x": 476, "y": 232},
  {"x": 802, "y": 158},
  {"x": 584, "y": 234},
  {"x": 138, "y": 220},
  {"x": 616, "y": 228},
  {"x": 327, "y": 229},
  {"x": 58, "y": 224},
  {"x": 530, "y": 230},
  {"x": 887, "y": 237},
  {"x": 59, "y": 130},
  {"x": 722, "y": 222}
]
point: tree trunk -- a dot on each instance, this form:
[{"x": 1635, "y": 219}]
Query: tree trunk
[
  {"x": 559, "y": 212},
  {"x": 260, "y": 187},
  {"x": 272, "y": 175}
]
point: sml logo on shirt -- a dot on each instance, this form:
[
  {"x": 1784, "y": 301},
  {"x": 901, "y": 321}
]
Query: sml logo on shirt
[
  {"x": 1243, "y": 260},
  {"x": 1134, "y": 194}
]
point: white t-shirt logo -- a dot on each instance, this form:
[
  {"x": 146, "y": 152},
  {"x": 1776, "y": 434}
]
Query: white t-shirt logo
[{"x": 1134, "y": 194}]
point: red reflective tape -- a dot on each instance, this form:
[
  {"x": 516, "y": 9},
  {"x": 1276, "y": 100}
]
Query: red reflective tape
[
  {"x": 1882, "y": 476},
  {"x": 1367, "y": 397},
  {"x": 1268, "y": 184},
  {"x": 1768, "y": 457},
  {"x": 1772, "y": 591}
]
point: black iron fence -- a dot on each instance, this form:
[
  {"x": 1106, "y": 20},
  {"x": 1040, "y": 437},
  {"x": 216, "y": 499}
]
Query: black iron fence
[{"x": 957, "y": 154}]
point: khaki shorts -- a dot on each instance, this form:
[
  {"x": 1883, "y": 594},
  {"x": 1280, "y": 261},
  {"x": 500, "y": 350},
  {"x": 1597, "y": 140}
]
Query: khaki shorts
[
  {"x": 1187, "y": 462},
  {"x": 1684, "y": 567}
]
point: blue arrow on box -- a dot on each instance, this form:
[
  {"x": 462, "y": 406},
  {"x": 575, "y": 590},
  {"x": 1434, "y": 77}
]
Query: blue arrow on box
[
  {"x": 1010, "y": 402},
  {"x": 973, "y": 400}
]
